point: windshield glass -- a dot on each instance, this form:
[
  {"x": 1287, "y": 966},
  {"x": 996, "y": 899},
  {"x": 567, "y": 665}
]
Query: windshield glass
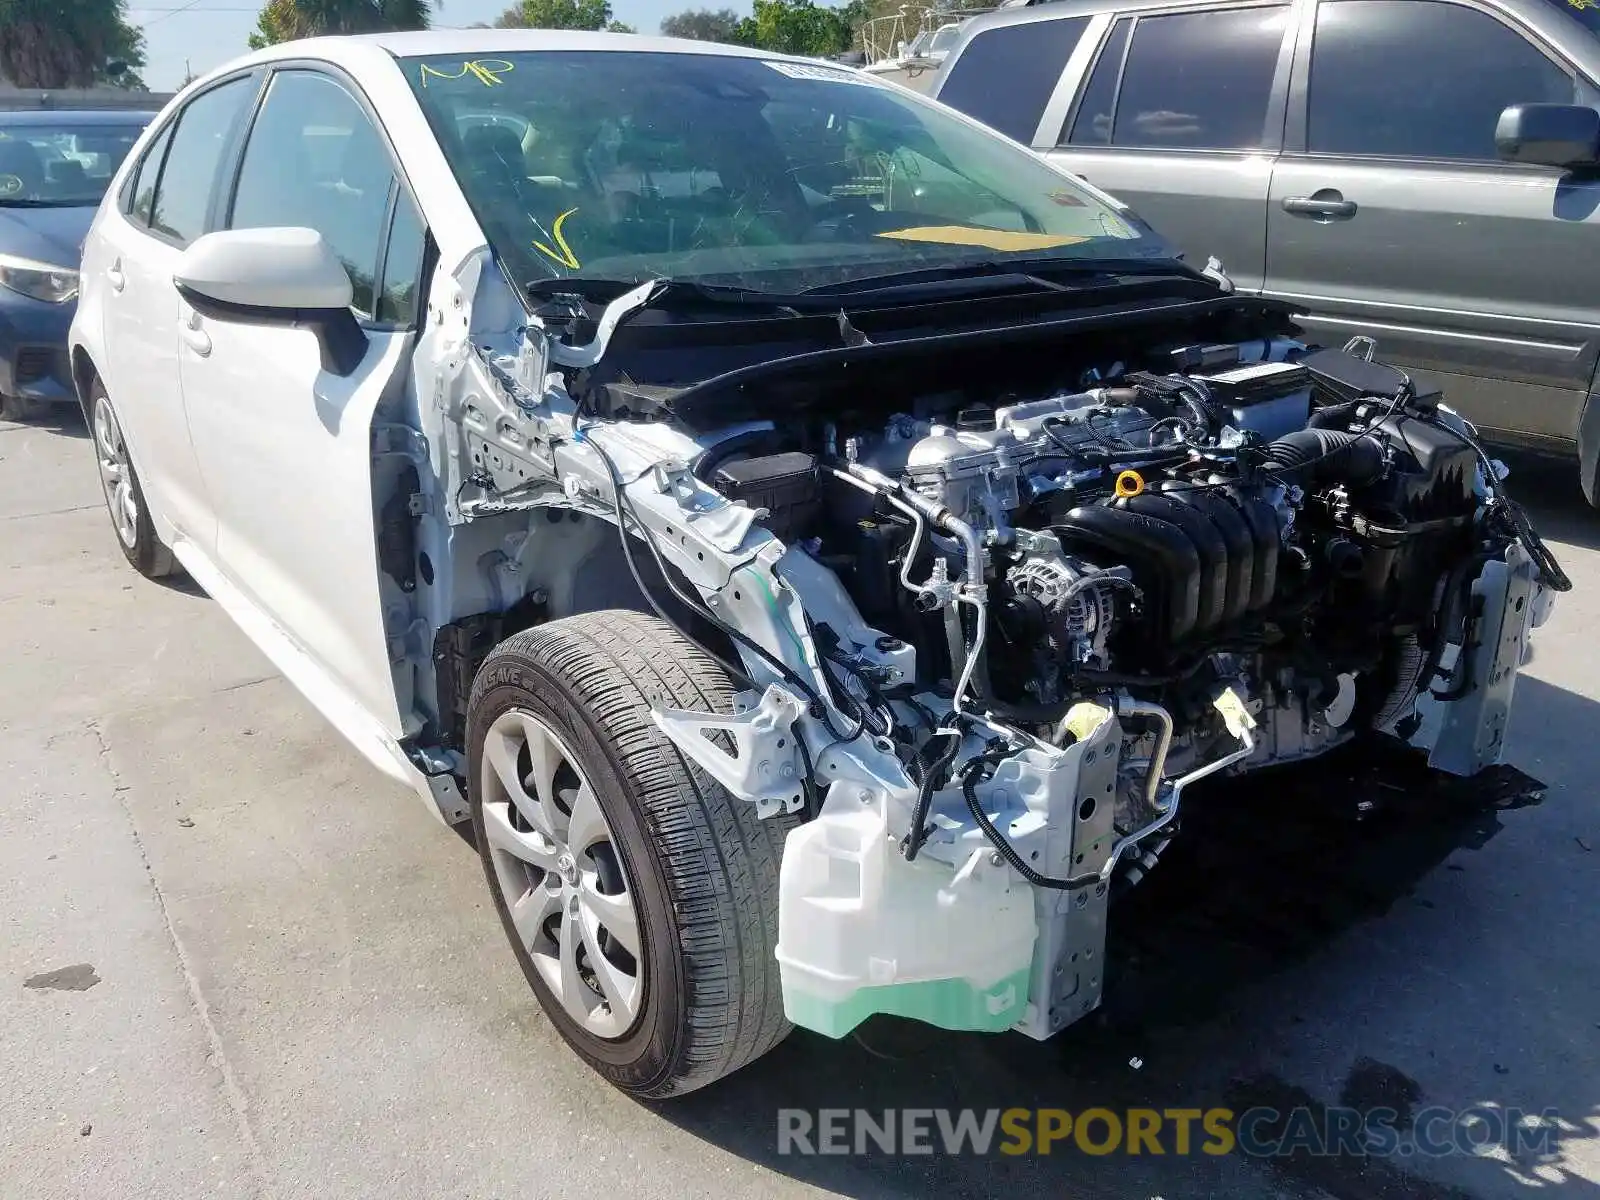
[
  {"x": 64, "y": 165},
  {"x": 771, "y": 176},
  {"x": 944, "y": 40}
]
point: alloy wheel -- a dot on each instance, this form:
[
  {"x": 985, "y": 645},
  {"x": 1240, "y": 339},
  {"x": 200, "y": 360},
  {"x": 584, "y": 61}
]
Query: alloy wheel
[
  {"x": 116, "y": 473},
  {"x": 559, "y": 872}
]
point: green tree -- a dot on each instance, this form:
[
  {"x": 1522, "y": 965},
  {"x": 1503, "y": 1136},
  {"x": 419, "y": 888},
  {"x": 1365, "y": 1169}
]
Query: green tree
[
  {"x": 702, "y": 24},
  {"x": 800, "y": 27},
  {"x": 559, "y": 14},
  {"x": 285, "y": 20},
  {"x": 69, "y": 43}
]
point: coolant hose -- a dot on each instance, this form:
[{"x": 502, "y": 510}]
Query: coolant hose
[{"x": 1325, "y": 456}]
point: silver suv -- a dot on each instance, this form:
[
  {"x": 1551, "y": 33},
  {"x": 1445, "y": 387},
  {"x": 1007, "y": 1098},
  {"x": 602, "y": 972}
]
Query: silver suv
[{"x": 1358, "y": 158}]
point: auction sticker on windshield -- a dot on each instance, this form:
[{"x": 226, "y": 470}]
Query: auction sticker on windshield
[{"x": 826, "y": 74}]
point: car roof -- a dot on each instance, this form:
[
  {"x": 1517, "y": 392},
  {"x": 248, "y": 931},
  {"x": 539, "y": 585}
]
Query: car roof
[
  {"x": 501, "y": 41},
  {"x": 57, "y": 117},
  {"x": 1053, "y": 10},
  {"x": 1545, "y": 17}
]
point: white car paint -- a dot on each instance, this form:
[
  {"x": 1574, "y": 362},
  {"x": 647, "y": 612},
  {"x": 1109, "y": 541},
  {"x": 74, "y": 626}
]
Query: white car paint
[
  {"x": 266, "y": 268},
  {"x": 257, "y": 466}
]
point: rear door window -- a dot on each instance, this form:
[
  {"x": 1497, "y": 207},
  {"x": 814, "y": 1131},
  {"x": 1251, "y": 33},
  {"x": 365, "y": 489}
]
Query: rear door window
[
  {"x": 1005, "y": 76},
  {"x": 1189, "y": 81},
  {"x": 142, "y": 193},
  {"x": 1420, "y": 79}
]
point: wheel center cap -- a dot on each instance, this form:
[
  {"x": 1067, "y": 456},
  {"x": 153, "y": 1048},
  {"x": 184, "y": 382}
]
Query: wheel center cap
[{"x": 567, "y": 868}]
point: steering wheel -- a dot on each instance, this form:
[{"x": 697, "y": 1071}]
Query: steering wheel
[{"x": 839, "y": 216}]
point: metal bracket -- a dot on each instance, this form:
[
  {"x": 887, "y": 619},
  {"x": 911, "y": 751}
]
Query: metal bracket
[
  {"x": 763, "y": 765},
  {"x": 442, "y": 768},
  {"x": 399, "y": 439}
]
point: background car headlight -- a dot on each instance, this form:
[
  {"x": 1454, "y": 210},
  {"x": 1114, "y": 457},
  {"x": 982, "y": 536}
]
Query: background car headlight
[{"x": 42, "y": 281}]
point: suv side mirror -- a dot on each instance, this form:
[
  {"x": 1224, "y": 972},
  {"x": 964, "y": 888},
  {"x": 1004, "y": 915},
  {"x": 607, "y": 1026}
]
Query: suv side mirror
[
  {"x": 286, "y": 276},
  {"x": 1551, "y": 135}
]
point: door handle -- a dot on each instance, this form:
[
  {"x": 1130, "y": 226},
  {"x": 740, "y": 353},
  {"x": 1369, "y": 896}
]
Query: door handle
[
  {"x": 116, "y": 278},
  {"x": 195, "y": 337},
  {"x": 1328, "y": 205}
]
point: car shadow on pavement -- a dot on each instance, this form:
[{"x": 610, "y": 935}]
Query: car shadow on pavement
[
  {"x": 1276, "y": 869},
  {"x": 64, "y": 419},
  {"x": 1548, "y": 489}
]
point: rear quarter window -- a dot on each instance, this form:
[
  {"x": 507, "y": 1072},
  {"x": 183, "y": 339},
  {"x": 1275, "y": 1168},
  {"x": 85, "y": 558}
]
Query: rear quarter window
[{"x": 1004, "y": 76}]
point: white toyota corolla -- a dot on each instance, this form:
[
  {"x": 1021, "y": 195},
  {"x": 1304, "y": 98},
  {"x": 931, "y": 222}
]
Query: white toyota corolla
[{"x": 814, "y": 541}]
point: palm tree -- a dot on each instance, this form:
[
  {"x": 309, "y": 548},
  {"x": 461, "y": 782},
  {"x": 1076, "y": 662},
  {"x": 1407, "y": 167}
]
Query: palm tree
[
  {"x": 46, "y": 44},
  {"x": 284, "y": 20}
]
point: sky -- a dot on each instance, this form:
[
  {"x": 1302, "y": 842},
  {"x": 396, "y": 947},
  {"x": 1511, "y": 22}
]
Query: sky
[{"x": 207, "y": 33}]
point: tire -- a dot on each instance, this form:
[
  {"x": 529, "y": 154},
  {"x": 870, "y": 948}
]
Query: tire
[
  {"x": 700, "y": 867},
  {"x": 119, "y": 482}
]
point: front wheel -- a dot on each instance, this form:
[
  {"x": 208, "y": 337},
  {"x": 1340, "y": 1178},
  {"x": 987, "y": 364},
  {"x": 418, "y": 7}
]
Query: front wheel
[{"x": 640, "y": 897}]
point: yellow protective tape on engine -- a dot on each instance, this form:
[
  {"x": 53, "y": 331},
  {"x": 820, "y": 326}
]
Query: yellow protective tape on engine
[
  {"x": 988, "y": 239},
  {"x": 1234, "y": 714},
  {"x": 1084, "y": 717}
]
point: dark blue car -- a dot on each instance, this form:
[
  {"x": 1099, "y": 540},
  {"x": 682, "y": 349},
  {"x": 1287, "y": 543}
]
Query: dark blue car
[{"x": 54, "y": 168}]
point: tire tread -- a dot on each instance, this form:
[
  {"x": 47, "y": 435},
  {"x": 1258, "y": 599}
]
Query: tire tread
[{"x": 721, "y": 861}]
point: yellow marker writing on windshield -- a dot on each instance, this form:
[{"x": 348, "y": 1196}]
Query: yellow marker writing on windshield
[
  {"x": 486, "y": 71},
  {"x": 564, "y": 256}
]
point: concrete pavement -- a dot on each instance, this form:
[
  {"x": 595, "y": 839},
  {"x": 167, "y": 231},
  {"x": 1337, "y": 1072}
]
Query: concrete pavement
[{"x": 234, "y": 961}]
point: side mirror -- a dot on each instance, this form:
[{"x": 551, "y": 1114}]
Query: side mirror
[
  {"x": 287, "y": 276},
  {"x": 1550, "y": 135}
]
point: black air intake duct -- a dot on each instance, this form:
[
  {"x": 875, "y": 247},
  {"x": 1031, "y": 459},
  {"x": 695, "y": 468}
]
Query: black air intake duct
[{"x": 1325, "y": 456}]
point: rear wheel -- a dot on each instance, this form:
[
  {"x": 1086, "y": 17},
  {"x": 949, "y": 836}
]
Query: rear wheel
[
  {"x": 130, "y": 517},
  {"x": 640, "y": 897}
]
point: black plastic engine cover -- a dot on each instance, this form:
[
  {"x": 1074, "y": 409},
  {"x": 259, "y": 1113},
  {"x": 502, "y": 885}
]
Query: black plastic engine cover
[
  {"x": 785, "y": 485},
  {"x": 1266, "y": 530},
  {"x": 1239, "y": 538},
  {"x": 1434, "y": 475},
  {"x": 1165, "y": 563},
  {"x": 1208, "y": 543},
  {"x": 1418, "y": 519}
]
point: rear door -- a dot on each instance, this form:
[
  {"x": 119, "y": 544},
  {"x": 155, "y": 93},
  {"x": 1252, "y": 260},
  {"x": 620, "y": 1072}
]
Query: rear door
[
  {"x": 1181, "y": 117},
  {"x": 285, "y": 444},
  {"x": 166, "y": 205},
  {"x": 1391, "y": 215}
]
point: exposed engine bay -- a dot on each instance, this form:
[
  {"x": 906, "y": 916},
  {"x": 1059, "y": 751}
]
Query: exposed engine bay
[{"x": 989, "y": 634}]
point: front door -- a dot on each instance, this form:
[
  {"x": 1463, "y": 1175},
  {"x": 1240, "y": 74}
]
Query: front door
[
  {"x": 1391, "y": 215},
  {"x": 285, "y": 444}
]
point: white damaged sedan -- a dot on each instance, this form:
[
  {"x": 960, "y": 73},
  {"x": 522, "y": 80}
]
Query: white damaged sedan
[{"x": 815, "y": 542}]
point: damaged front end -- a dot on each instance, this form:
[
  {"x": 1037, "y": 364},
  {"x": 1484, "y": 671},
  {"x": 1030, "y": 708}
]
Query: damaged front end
[{"x": 994, "y": 605}]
